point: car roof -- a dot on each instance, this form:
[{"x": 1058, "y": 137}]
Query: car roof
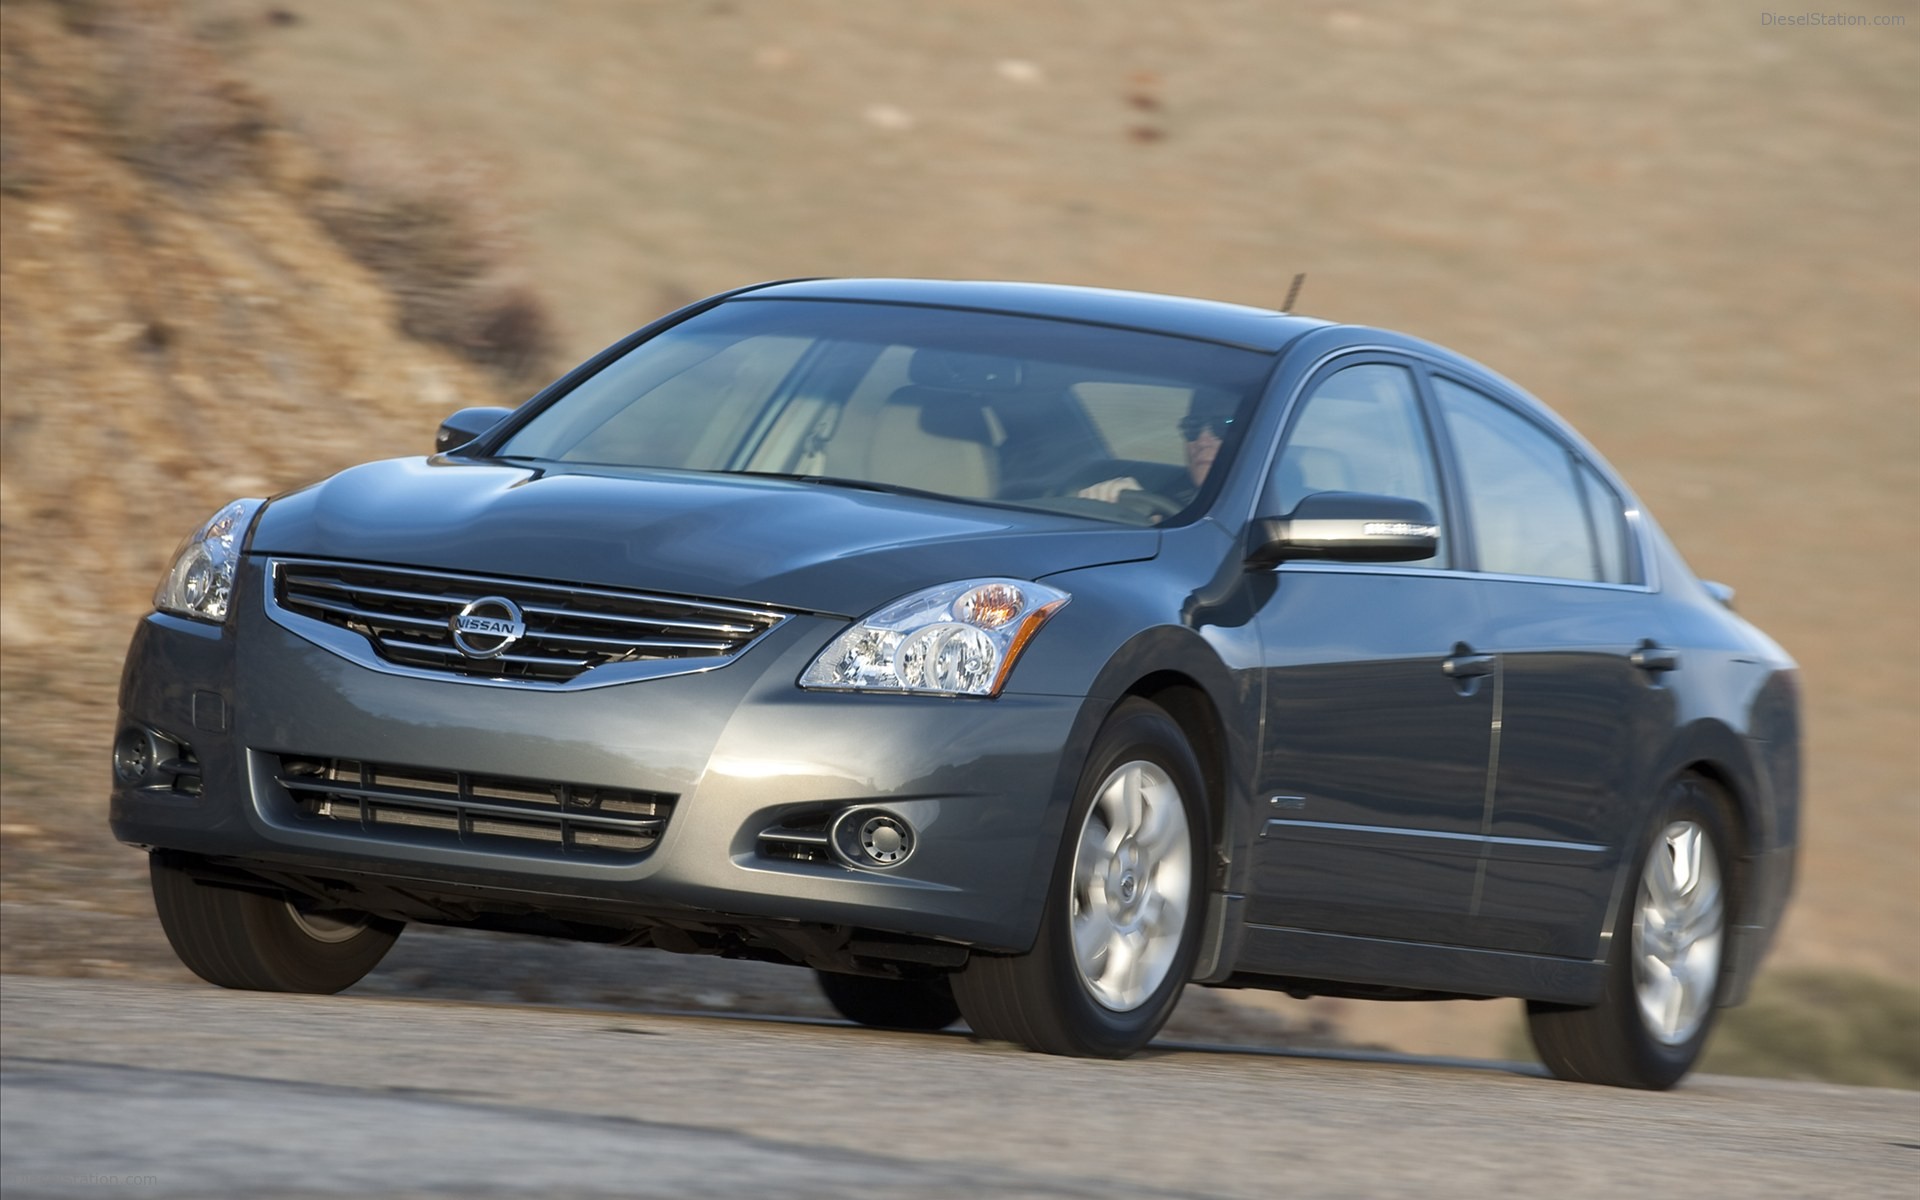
[{"x": 1258, "y": 329}]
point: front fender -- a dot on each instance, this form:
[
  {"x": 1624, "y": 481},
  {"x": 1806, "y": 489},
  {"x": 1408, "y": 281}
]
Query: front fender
[{"x": 1130, "y": 631}]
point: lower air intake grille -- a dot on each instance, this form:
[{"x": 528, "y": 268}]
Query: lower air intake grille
[{"x": 457, "y": 808}]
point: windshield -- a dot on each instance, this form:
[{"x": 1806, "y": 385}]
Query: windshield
[{"x": 1107, "y": 423}]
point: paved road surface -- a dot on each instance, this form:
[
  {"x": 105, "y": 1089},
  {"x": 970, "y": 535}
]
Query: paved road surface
[{"x": 127, "y": 1089}]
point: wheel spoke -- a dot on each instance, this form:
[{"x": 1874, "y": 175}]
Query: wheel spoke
[
  {"x": 1172, "y": 880},
  {"x": 1090, "y": 860},
  {"x": 1659, "y": 993},
  {"x": 1153, "y": 913},
  {"x": 1157, "y": 823},
  {"x": 1122, "y": 960},
  {"x": 1091, "y": 934},
  {"x": 1659, "y": 877},
  {"x": 1697, "y": 970},
  {"x": 1685, "y": 845},
  {"x": 1132, "y": 989},
  {"x": 1112, "y": 806},
  {"x": 1675, "y": 1000},
  {"x": 1700, "y": 912},
  {"x": 1654, "y": 921},
  {"x": 1133, "y": 801}
]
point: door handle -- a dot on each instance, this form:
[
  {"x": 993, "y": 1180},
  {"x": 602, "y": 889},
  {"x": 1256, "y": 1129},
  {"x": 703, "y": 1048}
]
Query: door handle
[
  {"x": 1468, "y": 666},
  {"x": 1655, "y": 660}
]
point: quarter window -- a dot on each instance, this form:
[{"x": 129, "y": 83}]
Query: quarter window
[
  {"x": 1612, "y": 544},
  {"x": 1359, "y": 431},
  {"x": 1528, "y": 510}
]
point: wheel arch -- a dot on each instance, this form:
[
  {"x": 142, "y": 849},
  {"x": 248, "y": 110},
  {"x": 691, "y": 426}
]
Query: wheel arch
[
  {"x": 1177, "y": 670},
  {"x": 1716, "y": 753},
  {"x": 1217, "y": 710},
  {"x": 1722, "y": 760},
  {"x": 1183, "y": 699}
]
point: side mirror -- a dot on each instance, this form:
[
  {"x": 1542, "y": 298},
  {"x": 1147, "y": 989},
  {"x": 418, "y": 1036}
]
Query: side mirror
[
  {"x": 466, "y": 425},
  {"x": 1346, "y": 527}
]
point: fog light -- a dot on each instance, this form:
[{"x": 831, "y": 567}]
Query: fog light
[
  {"x": 135, "y": 756},
  {"x": 870, "y": 837}
]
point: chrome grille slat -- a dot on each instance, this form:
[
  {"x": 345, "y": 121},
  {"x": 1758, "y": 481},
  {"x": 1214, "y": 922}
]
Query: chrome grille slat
[
  {"x": 449, "y": 652},
  {"x": 403, "y": 619},
  {"x": 576, "y": 614},
  {"x": 581, "y": 639},
  {"x": 306, "y": 580},
  {"x": 457, "y": 808},
  {"x": 375, "y": 618}
]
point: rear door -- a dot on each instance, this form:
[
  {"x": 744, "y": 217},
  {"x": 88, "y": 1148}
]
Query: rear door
[{"x": 1579, "y": 637}]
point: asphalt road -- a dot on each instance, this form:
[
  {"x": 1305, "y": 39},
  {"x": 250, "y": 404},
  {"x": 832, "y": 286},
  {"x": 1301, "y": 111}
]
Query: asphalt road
[{"x": 133, "y": 1089}]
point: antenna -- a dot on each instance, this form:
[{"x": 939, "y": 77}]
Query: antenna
[{"x": 1293, "y": 293}]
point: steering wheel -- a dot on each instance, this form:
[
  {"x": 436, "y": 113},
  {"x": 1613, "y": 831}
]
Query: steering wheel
[{"x": 1156, "y": 506}]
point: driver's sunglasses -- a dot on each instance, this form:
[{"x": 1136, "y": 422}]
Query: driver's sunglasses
[{"x": 1190, "y": 427}]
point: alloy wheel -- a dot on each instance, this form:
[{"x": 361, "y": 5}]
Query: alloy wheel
[
  {"x": 1678, "y": 926},
  {"x": 1132, "y": 885}
]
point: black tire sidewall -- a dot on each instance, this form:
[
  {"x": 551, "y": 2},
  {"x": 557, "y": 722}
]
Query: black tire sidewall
[
  {"x": 301, "y": 962},
  {"x": 915, "y": 1004},
  {"x": 249, "y": 941}
]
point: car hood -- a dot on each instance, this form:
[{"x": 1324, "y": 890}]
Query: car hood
[{"x": 765, "y": 541}]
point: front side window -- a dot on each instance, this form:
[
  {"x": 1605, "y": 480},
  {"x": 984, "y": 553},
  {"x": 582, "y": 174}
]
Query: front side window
[
  {"x": 986, "y": 407},
  {"x": 1526, "y": 504},
  {"x": 1359, "y": 430}
]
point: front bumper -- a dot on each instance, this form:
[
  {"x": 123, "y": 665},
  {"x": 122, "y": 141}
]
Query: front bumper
[{"x": 741, "y": 749}]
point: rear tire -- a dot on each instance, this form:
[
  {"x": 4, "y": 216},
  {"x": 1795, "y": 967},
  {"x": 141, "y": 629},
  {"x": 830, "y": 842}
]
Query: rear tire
[
  {"x": 1121, "y": 925},
  {"x": 259, "y": 943},
  {"x": 1664, "y": 971},
  {"x": 919, "y": 1004}
]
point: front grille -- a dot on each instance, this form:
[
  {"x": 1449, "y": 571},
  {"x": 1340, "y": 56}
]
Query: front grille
[
  {"x": 460, "y": 808},
  {"x": 407, "y": 618}
]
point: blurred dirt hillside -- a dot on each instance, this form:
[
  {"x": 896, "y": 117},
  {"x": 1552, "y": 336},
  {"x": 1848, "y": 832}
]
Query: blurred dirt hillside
[
  {"x": 194, "y": 305},
  {"x": 243, "y": 243}
]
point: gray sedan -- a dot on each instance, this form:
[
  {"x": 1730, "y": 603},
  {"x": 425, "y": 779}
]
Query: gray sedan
[{"x": 1014, "y": 652}]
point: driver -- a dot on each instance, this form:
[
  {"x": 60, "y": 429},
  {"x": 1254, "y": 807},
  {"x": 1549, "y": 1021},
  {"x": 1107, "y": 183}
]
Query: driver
[{"x": 1202, "y": 430}]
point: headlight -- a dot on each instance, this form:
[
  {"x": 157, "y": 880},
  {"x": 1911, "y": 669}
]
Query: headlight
[
  {"x": 960, "y": 639},
  {"x": 199, "y": 584}
]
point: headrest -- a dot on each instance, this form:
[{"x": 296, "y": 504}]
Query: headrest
[
  {"x": 1212, "y": 402},
  {"x": 960, "y": 371},
  {"x": 947, "y": 414}
]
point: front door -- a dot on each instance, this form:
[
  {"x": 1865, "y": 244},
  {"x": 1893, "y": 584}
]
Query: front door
[{"x": 1379, "y": 709}]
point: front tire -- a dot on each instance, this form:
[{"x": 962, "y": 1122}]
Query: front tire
[
  {"x": 259, "y": 943},
  {"x": 924, "y": 1005},
  {"x": 1664, "y": 969},
  {"x": 1121, "y": 926}
]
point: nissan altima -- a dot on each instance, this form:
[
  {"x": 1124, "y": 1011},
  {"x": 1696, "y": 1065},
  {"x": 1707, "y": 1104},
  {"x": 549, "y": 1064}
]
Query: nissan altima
[{"x": 1011, "y": 652}]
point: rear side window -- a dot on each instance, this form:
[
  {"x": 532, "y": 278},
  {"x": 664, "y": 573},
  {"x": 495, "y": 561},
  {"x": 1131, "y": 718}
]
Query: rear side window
[{"x": 1528, "y": 508}]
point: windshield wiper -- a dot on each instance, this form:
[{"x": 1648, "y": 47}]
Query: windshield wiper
[{"x": 863, "y": 485}]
